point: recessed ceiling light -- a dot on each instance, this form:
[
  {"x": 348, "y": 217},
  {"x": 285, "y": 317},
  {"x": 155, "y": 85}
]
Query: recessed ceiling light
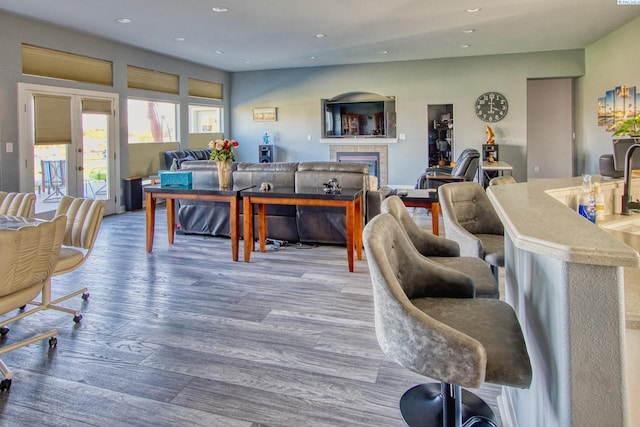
[
  {"x": 179, "y": 39},
  {"x": 219, "y": 9},
  {"x": 219, "y": 52},
  {"x": 383, "y": 52},
  {"x": 469, "y": 31},
  {"x": 473, "y": 9},
  {"x": 123, "y": 21},
  {"x": 464, "y": 46},
  {"x": 312, "y": 57},
  {"x": 247, "y": 62},
  {"x": 320, "y": 36}
]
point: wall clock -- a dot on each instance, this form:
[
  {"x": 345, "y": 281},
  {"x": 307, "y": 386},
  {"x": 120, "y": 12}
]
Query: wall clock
[{"x": 491, "y": 107}]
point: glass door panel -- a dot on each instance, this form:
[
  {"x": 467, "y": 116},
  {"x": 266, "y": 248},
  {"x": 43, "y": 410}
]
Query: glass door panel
[
  {"x": 50, "y": 179},
  {"x": 95, "y": 155}
]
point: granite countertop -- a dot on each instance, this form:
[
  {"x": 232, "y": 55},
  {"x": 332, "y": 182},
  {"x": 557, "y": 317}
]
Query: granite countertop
[{"x": 542, "y": 224}]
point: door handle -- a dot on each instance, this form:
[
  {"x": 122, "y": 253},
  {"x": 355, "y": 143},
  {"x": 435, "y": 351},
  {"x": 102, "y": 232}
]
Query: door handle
[{"x": 80, "y": 168}]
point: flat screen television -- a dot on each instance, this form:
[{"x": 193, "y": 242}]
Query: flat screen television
[
  {"x": 620, "y": 148},
  {"x": 359, "y": 115}
]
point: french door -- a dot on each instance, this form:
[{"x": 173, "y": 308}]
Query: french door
[{"x": 68, "y": 145}]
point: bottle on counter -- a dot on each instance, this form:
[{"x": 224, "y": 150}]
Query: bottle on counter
[
  {"x": 599, "y": 199},
  {"x": 266, "y": 137},
  {"x": 587, "y": 200},
  {"x": 174, "y": 165}
]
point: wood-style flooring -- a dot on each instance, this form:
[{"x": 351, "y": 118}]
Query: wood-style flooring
[{"x": 184, "y": 336}]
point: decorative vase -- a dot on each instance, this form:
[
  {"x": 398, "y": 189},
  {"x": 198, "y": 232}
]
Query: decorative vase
[{"x": 223, "y": 173}]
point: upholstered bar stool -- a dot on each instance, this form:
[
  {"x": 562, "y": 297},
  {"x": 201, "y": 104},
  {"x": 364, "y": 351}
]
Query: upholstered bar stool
[
  {"x": 443, "y": 251},
  {"x": 428, "y": 321},
  {"x": 502, "y": 180},
  {"x": 469, "y": 219},
  {"x": 17, "y": 204}
]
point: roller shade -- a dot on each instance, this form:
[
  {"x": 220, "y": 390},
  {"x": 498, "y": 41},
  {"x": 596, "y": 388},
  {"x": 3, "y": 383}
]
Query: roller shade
[
  {"x": 141, "y": 78},
  {"x": 52, "y": 119},
  {"x": 38, "y": 61},
  {"x": 205, "y": 89},
  {"x": 96, "y": 106}
]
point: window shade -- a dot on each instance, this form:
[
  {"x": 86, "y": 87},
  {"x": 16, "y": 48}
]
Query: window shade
[
  {"x": 96, "y": 106},
  {"x": 141, "y": 78},
  {"x": 43, "y": 62},
  {"x": 205, "y": 89},
  {"x": 52, "y": 117}
]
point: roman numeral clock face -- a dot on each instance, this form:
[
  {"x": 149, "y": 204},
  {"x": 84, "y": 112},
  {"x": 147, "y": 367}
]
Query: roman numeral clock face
[{"x": 491, "y": 107}]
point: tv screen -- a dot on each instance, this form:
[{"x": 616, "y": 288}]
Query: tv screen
[{"x": 355, "y": 116}]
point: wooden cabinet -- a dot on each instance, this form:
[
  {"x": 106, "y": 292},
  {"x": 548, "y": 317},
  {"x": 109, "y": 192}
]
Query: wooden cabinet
[{"x": 351, "y": 124}]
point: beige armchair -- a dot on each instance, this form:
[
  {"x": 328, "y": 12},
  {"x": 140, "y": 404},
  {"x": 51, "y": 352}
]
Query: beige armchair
[
  {"x": 84, "y": 217},
  {"x": 427, "y": 320},
  {"x": 17, "y": 204},
  {"x": 470, "y": 219},
  {"x": 27, "y": 258},
  {"x": 443, "y": 251}
]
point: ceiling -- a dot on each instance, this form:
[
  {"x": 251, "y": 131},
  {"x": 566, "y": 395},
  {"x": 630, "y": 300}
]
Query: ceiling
[{"x": 274, "y": 34}]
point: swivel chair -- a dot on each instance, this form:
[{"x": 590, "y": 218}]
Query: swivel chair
[
  {"x": 27, "y": 258},
  {"x": 443, "y": 251},
  {"x": 17, "y": 204},
  {"x": 84, "y": 217},
  {"x": 469, "y": 219},
  {"x": 502, "y": 180},
  {"x": 427, "y": 320},
  {"x": 465, "y": 169}
]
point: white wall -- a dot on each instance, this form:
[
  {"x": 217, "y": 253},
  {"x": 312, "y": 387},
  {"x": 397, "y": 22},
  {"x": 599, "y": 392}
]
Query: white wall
[
  {"x": 14, "y": 31},
  {"x": 297, "y": 93},
  {"x": 611, "y": 61}
]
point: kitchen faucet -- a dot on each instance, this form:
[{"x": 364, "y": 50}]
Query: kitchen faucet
[{"x": 627, "y": 201}]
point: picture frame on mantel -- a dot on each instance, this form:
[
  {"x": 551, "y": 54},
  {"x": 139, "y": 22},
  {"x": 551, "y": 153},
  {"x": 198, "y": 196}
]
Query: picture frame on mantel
[{"x": 265, "y": 114}]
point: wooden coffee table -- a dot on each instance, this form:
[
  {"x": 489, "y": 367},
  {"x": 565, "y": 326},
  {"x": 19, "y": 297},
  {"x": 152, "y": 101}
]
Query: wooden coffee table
[
  {"x": 424, "y": 198},
  {"x": 350, "y": 199},
  {"x": 231, "y": 196}
]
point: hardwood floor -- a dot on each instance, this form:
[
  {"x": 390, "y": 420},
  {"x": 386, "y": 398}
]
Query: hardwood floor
[{"x": 185, "y": 336}]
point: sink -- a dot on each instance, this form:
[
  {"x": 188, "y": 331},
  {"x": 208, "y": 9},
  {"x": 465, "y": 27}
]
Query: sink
[{"x": 628, "y": 225}]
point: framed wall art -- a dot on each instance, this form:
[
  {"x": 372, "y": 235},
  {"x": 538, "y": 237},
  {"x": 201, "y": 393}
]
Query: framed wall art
[{"x": 264, "y": 114}]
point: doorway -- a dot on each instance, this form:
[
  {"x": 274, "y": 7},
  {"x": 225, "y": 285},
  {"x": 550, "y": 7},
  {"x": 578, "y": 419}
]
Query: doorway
[
  {"x": 440, "y": 132},
  {"x": 68, "y": 146}
]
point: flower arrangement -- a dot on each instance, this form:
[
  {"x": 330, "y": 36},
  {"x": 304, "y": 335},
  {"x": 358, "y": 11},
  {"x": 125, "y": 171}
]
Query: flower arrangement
[{"x": 222, "y": 150}]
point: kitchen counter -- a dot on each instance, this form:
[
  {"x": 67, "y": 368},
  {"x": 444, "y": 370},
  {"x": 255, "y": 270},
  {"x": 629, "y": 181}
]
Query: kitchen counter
[{"x": 565, "y": 279}]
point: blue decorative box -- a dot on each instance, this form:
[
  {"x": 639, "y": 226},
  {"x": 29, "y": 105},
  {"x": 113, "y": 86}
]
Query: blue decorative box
[{"x": 177, "y": 179}]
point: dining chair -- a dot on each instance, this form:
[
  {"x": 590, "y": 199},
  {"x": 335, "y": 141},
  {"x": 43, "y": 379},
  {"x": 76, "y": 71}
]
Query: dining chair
[
  {"x": 84, "y": 217},
  {"x": 28, "y": 256},
  {"x": 17, "y": 204}
]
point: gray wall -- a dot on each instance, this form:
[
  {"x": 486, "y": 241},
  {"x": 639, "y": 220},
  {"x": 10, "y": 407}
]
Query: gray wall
[
  {"x": 611, "y": 61},
  {"x": 297, "y": 93},
  {"x": 15, "y": 31}
]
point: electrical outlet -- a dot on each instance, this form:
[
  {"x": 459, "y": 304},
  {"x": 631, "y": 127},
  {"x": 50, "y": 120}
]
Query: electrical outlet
[
  {"x": 536, "y": 169},
  {"x": 9, "y": 147},
  {"x": 402, "y": 136}
]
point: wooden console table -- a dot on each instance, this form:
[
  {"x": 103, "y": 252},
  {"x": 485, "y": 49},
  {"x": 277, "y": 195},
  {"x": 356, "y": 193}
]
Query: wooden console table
[
  {"x": 424, "y": 198},
  {"x": 350, "y": 199},
  {"x": 154, "y": 192}
]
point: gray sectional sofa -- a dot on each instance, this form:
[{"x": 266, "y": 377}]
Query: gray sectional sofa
[{"x": 289, "y": 223}]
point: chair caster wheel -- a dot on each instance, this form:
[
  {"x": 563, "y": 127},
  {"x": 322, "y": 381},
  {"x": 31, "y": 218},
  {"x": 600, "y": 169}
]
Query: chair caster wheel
[
  {"x": 77, "y": 318},
  {"x": 53, "y": 342},
  {"x": 85, "y": 296},
  {"x": 5, "y": 384},
  {"x": 23, "y": 307},
  {"x": 4, "y": 331}
]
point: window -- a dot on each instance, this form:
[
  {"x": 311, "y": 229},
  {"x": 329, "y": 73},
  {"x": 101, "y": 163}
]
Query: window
[
  {"x": 205, "y": 119},
  {"x": 152, "y": 121}
]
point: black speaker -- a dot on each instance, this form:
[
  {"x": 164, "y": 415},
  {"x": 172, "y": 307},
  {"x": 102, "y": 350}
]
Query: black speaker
[
  {"x": 133, "y": 193},
  {"x": 265, "y": 153}
]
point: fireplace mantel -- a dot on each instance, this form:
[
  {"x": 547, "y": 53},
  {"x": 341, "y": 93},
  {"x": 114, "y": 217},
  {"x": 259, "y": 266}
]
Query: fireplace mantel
[{"x": 362, "y": 148}]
